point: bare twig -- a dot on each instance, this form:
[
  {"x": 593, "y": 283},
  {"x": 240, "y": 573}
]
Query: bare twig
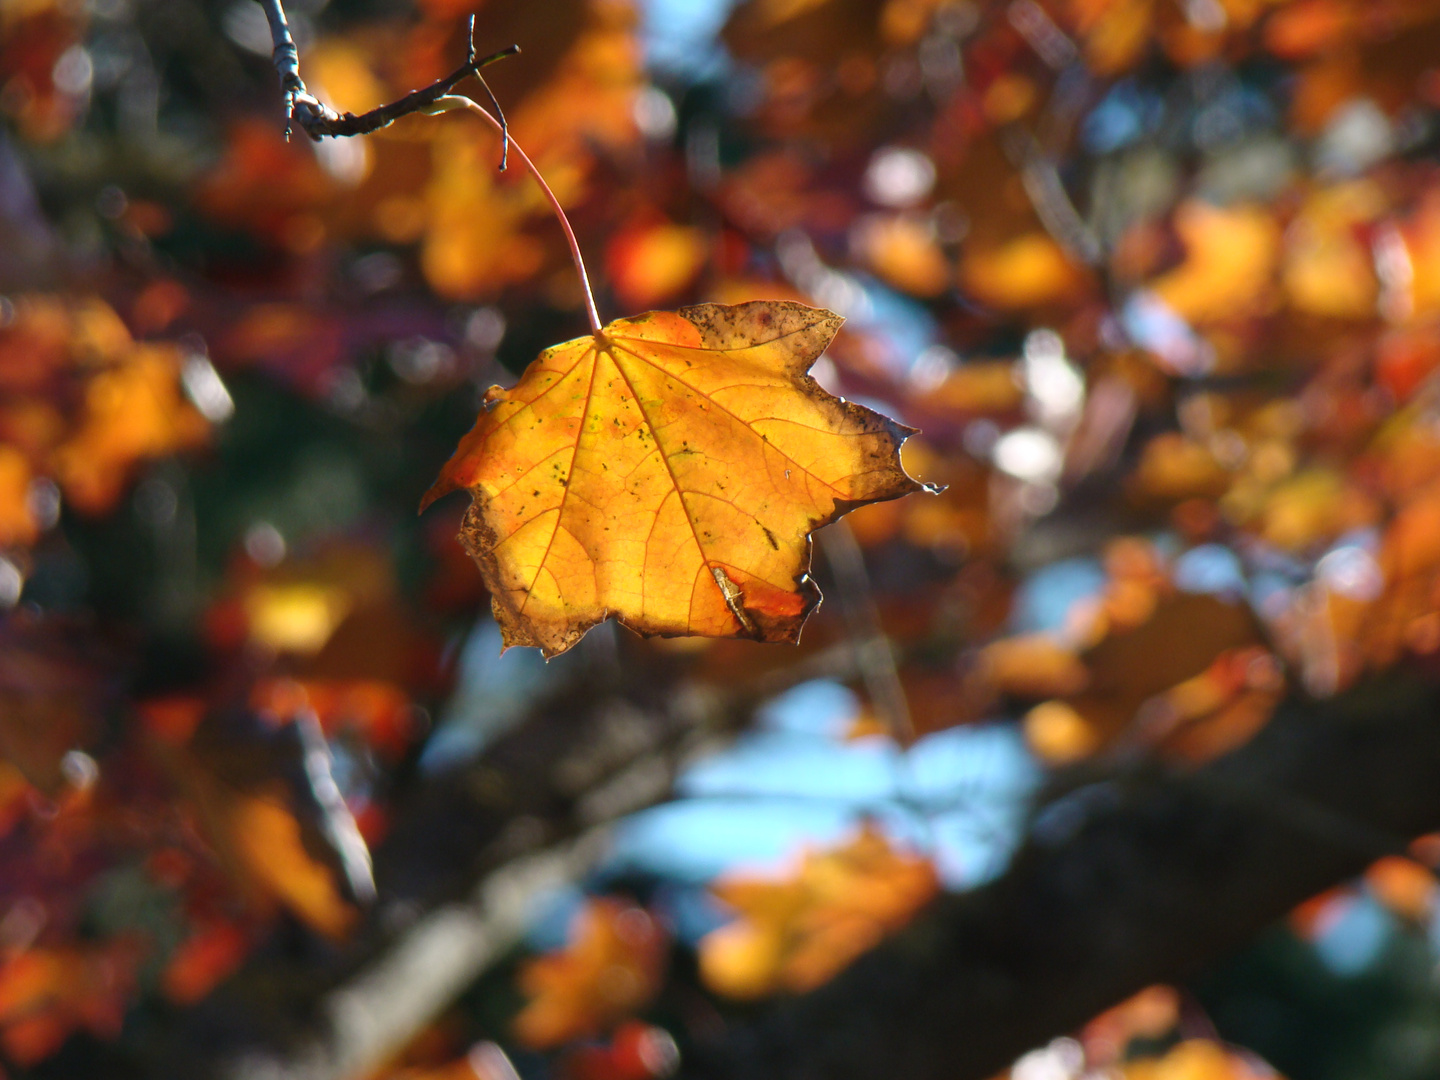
[
  {"x": 874, "y": 655},
  {"x": 285, "y": 56},
  {"x": 318, "y": 120},
  {"x": 1048, "y": 196}
]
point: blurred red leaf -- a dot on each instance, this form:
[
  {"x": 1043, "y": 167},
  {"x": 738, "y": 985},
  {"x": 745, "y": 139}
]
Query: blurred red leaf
[{"x": 610, "y": 969}]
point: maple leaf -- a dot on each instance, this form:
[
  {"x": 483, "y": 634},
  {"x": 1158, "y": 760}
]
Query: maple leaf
[
  {"x": 611, "y": 967},
  {"x": 668, "y": 471},
  {"x": 797, "y": 933}
]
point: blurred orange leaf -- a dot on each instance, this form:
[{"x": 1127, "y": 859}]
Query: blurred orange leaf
[
  {"x": 1405, "y": 886},
  {"x": 903, "y": 250},
  {"x": 211, "y": 952},
  {"x": 18, "y": 526},
  {"x": 611, "y": 968},
  {"x": 1182, "y": 672},
  {"x": 1033, "y": 666},
  {"x": 258, "y": 835},
  {"x": 45, "y": 994},
  {"x": 1173, "y": 466},
  {"x": 284, "y": 841},
  {"x": 1231, "y": 255},
  {"x": 650, "y": 262},
  {"x": 1027, "y": 271},
  {"x": 797, "y": 933},
  {"x": 378, "y": 711},
  {"x": 85, "y": 403}
]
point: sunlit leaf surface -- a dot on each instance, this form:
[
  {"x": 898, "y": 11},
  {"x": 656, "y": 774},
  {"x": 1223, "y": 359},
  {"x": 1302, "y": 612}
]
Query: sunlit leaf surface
[{"x": 668, "y": 471}]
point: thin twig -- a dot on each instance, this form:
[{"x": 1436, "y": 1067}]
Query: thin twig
[
  {"x": 874, "y": 656},
  {"x": 1048, "y": 196},
  {"x": 285, "y": 56},
  {"x": 318, "y": 120}
]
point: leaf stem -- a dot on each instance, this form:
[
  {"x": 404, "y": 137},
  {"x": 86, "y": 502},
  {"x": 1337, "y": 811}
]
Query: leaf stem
[{"x": 460, "y": 101}]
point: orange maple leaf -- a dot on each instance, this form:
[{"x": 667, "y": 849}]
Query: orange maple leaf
[
  {"x": 798, "y": 933},
  {"x": 668, "y": 471},
  {"x": 611, "y": 967}
]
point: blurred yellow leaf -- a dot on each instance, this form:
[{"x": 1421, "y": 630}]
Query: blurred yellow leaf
[
  {"x": 1328, "y": 267},
  {"x": 295, "y": 617},
  {"x": 902, "y": 249},
  {"x": 797, "y": 933},
  {"x": 1033, "y": 666},
  {"x": 1231, "y": 255},
  {"x": 473, "y": 244},
  {"x": 1028, "y": 271},
  {"x": 1058, "y": 735}
]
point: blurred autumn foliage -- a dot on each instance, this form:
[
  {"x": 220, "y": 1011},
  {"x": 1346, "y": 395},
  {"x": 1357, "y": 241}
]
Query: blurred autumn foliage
[{"x": 1158, "y": 282}]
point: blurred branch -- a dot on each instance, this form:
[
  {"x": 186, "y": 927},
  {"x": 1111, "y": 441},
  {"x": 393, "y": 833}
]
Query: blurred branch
[
  {"x": 1128, "y": 880},
  {"x": 874, "y": 654},
  {"x": 371, "y": 1018},
  {"x": 1047, "y": 194},
  {"x": 1132, "y": 875},
  {"x": 461, "y": 871},
  {"x": 317, "y": 119}
]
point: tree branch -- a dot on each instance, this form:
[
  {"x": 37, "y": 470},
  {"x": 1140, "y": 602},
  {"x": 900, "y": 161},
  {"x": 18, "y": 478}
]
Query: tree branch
[
  {"x": 317, "y": 119},
  {"x": 1132, "y": 876},
  {"x": 526, "y": 815},
  {"x": 372, "y": 1017},
  {"x": 1130, "y": 879}
]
